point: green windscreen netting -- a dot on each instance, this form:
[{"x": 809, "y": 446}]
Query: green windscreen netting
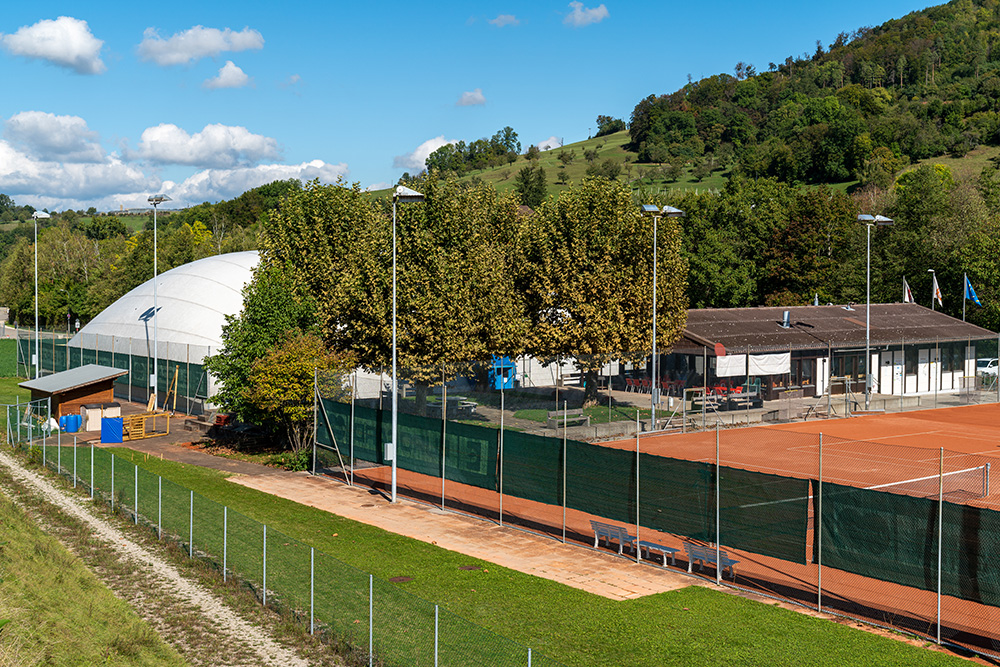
[
  {"x": 762, "y": 513},
  {"x": 896, "y": 536}
]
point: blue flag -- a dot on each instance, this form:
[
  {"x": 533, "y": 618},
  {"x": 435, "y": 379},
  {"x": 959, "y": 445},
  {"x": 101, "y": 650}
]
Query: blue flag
[{"x": 971, "y": 293}]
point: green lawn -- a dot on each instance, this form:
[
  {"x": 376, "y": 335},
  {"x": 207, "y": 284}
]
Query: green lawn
[
  {"x": 690, "y": 626},
  {"x": 58, "y": 611}
]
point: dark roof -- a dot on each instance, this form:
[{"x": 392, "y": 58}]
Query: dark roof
[
  {"x": 815, "y": 327},
  {"x": 60, "y": 383}
]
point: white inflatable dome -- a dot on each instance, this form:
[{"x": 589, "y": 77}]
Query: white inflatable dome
[{"x": 192, "y": 300}]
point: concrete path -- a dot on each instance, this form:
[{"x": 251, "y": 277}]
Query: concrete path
[{"x": 599, "y": 572}]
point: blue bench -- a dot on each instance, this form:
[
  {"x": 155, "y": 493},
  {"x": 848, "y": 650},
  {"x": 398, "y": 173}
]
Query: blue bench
[
  {"x": 703, "y": 554},
  {"x": 645, "y": 545},
  {"x": 611, "y": 533}
]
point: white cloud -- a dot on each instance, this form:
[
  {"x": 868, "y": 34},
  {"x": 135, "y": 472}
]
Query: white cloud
[
  {"x": 215, "y": 146},
  {"x": 550, "y": 143},
  {"x": 22, "y": 174},
  {"x": 471, "y": 98},
  {"x": 216, "y": 184},
  {"x": 581, "y": 16},
  {"x": 196, "y": 43},
  {"x": 230, "y": 76},
  {"x": 65, "y": 41},
  {"x": 381, "y": 185},
  {"x": 504, "y": 20},
  {"x": 46, "y": 136},
  {"x": 418, "y": 158}
]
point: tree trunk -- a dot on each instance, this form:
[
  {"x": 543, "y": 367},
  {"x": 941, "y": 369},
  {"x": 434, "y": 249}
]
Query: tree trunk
[
  {"x": 421, "y": 389},
  {"x": 590, "y": 396}
]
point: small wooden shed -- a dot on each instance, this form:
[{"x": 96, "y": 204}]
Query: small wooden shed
[{"x": 72, "y": 389}]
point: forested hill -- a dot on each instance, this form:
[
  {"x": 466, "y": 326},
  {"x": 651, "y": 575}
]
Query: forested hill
[{"x": 924, "y": 85}]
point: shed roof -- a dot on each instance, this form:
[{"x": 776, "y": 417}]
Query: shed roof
[
  {"x": 814, "y": 327},
  {"x": 63, "y": 381}
]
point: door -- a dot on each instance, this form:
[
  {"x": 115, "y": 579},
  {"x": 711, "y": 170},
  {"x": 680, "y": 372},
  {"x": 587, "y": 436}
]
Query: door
[
  {"x": 897, "y": 373},
  {"x": 885, "y": 385},
  {"x": 923, "y": 370}
]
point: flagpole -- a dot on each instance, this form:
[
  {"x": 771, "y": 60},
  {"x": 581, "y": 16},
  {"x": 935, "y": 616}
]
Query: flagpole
[{"x": 965, "y": 292}]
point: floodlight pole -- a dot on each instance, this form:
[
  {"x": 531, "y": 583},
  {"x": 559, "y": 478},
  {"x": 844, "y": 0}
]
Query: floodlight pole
[
  {"x": 654, "y": 393},
  {"x": 933, "y": 280},
  {"x": 155, "y": 200},
  {"x": 403, "y": 194},
  {"x": 38, "y": 353},
  {"x": 868, "y": 221}
]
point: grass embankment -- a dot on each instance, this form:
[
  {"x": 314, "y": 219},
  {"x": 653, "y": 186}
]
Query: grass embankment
[
  {"x": 58, "y": 611},
  {"x": 694, "y": 625}
]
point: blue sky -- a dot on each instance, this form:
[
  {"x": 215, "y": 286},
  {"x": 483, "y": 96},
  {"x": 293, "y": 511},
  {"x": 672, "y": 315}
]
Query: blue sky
[{"x": 105, "y": 103}]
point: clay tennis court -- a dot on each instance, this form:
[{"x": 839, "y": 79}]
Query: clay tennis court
[{"x": 862, "y": 451}]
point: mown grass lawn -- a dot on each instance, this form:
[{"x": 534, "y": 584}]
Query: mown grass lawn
[
  {"x": 694, "y": 625},
  {"x": 59, "y": 613}
]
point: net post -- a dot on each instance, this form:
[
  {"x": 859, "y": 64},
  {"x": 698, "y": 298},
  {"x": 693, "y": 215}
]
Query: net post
[
  {"x": 939, "y": 540},
  {"x": 986, "y": 481},
  {"x": 819, "y": 532},
  {"x": 718, "y": 515}
]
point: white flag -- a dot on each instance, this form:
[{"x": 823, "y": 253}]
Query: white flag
[
  {"x": 937, "y": 291},
  {"x": 907, "y": 294}
]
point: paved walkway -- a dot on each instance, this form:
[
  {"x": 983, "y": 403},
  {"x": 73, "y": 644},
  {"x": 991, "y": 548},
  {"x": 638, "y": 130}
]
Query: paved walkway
[{"x": 603, "y": 573}]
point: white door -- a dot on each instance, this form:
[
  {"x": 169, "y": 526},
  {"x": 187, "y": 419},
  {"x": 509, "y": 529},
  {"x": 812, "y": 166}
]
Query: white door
[
  {"x": 923, "y": 370},
  {"x": 822, "y": 373},
  {"x": 897, "y": 372},
  {"x": 885, "y": 385}
]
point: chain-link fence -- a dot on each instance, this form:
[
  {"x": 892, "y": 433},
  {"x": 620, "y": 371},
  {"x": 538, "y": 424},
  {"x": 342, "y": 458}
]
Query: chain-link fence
[
  {"x": 179, "y": 370},
  {"x": 896, "y": 536},
  {"x": 376, "y": 622}
]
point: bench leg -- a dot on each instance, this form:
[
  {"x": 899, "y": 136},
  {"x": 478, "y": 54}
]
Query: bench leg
[
  {"x": 673, "y": 562},
  {"x": 690, "y": 563}
]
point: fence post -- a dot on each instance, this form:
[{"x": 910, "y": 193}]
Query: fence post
[
  {"x": 159, "y": 508},
  {"x": 444, "y": 428},
  {"x": 529, "y": 657},
  {"x": 225, "y": 539},
  {"x": 191, "y": 525},
  {"x": 564, "y": 467},
  {"x": 718, "y": 484},
  {"x": 501, "y": 448},
  {"x": 819, "y": 532},
  {"x": 58, "y": 450},
  {"x": 136, "y": 494},
  {"x": 129, "y": 368},
  {"x": 112, "y": 482},
  {"x": 91, "y": 470},
  {"x": 354, "y": 389},
  {"x": 74, "y": 461},
  {"x": 315, "y": 415},
  {"x": 637, "y": 550},
  {"x": 939, "y": 544},
  {"x": 371, "y": 617},
  {"x": 312, "y": 588},
  {"x": 265, "y": 565},
  {"x": 435, "y": 636}
]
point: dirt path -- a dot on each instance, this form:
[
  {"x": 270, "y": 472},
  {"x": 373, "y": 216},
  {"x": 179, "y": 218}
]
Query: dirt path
[{"x": 201, "y": 627}]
